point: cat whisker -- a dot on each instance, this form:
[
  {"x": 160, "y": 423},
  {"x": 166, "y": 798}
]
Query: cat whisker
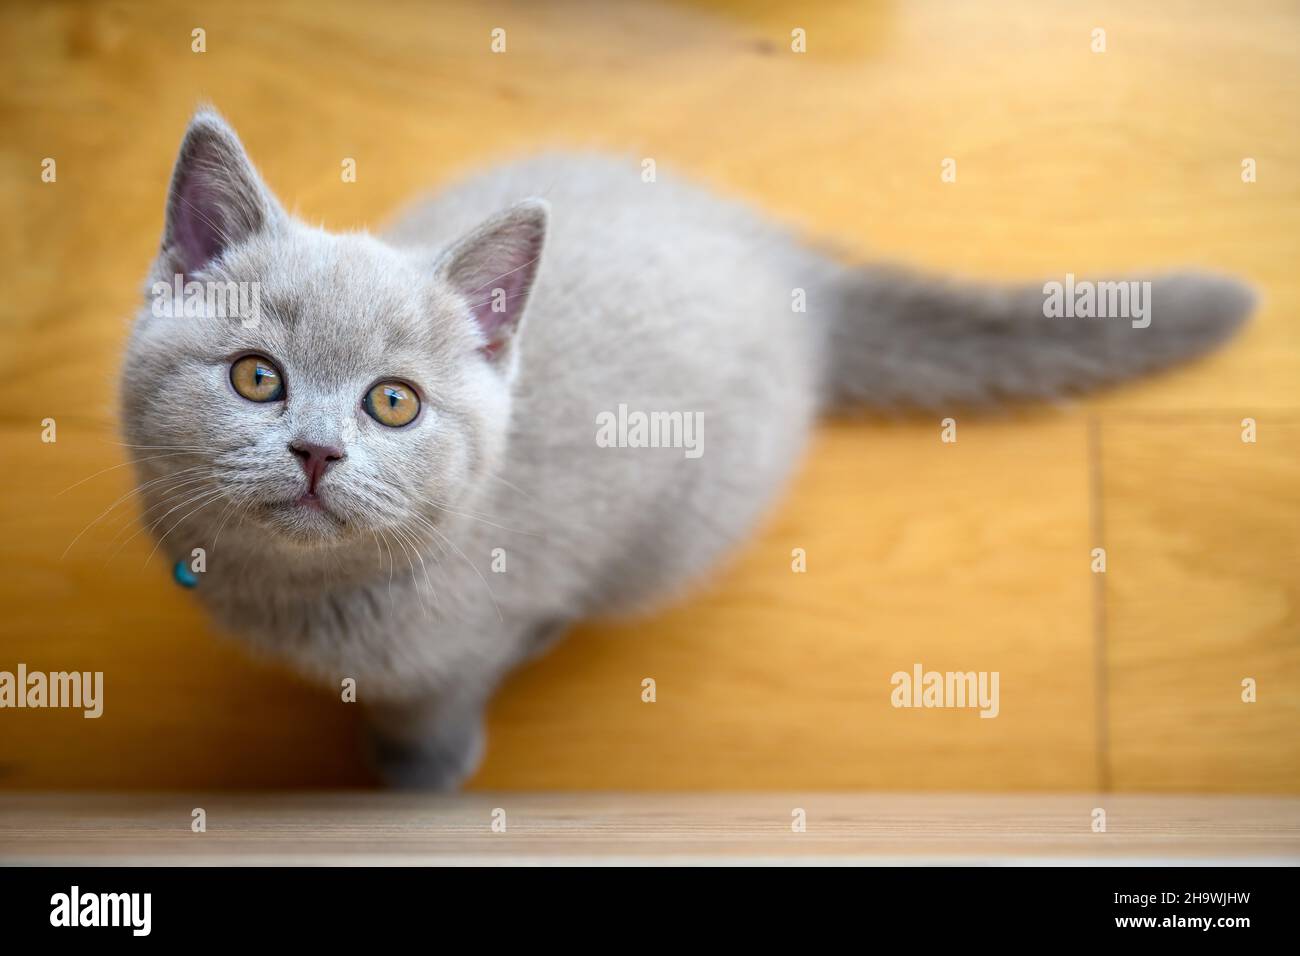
[
  {"x": 196, "y": 448},
  {"x": 134, "y": 491},
  {"x": 420, "y": 555},
  {"x": 155, "y": 525},
  {"x": 474, "y": 517},
  {"x": 452, "y": 544},
  {"x": 226, "y": 511},
  {"x": 402, "y": 540},
  {"x": 225, "y": 237},
  {"x": 216, "y": 495},
  {"x": 513, "y": 487},
  {"x": 123, "y": 464},
  {"x": 517, "y": 295},
  {"x": 389, "y": 548},
  {"x": 236, "y": 505},
  {"x": 169, "y": 494},
  {"x": 524, "y": 265}
]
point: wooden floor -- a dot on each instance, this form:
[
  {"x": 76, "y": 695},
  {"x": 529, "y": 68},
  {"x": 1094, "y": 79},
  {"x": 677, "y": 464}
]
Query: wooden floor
[
  {"x": 973, "y": 556},
  {"x": 524, "y": 828}
]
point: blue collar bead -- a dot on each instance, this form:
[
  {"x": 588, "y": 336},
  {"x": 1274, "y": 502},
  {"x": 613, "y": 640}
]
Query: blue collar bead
[{"x": 183, "y": 575}]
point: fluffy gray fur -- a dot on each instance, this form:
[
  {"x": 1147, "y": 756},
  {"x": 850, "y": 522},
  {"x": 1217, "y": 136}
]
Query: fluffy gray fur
[{"x": 660, "y": 296}]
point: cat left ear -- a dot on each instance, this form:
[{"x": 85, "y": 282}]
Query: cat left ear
[
  {"x": 493, "y": 269},
  {"x": 216, "y": 199}
]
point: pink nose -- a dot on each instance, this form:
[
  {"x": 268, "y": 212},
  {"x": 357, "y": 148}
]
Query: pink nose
[{"x": 315, "y": 459}]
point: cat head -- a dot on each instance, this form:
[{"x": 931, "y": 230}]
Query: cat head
[{"x": 322, "y": 387}]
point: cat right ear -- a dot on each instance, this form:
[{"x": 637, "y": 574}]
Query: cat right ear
[
  {"x": 216, "y": 200},
  {"x": 493, "y": 269}
]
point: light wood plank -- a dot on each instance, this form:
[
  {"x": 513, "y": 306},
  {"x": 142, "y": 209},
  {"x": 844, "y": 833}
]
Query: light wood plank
[
  {"x": 561, "y": 828},
  {"x": 1202, "y": 594}
]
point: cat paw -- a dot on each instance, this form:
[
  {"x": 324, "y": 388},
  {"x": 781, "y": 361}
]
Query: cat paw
[{"x": 441, "y": 762}]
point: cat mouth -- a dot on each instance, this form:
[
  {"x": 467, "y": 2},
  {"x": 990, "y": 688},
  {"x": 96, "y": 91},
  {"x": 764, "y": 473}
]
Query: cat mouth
[{"x": 308, "y": 504}]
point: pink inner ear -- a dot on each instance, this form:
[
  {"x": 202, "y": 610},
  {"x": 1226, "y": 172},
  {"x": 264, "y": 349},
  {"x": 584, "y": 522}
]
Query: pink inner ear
[
  {"x": 198, "y": 233},
  {"x": 493, "y": 269},
  {"x": 497, "y": 305}
]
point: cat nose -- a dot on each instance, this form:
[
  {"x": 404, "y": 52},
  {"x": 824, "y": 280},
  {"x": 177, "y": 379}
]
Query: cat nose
[{"x": 315, "y": 459}]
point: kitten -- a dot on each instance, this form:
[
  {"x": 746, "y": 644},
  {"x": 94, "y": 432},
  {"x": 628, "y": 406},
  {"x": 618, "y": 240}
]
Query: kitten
[{"x": 426, "y": 454}]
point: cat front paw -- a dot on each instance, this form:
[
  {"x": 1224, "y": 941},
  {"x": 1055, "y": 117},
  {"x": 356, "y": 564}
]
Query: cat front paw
[{"x": 441, "y": 762}]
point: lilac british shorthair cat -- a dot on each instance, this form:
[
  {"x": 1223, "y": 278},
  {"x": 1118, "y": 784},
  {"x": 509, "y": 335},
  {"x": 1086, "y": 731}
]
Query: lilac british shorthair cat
[{"x": 552, "y": 390}]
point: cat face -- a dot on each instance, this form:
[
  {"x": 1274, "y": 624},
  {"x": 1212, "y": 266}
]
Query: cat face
[{"x": 323, "y": 388}]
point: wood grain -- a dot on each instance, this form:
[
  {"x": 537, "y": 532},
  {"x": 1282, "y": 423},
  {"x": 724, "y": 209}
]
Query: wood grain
[
  {"x": 1194, "y": 610},
  {"x": 966, "y": 556},
  {"x": 666, "y": 829}
]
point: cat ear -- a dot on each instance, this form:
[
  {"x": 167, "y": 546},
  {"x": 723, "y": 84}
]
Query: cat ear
[
  {"x": 216, "y": 199},
  {"x": 493, "y": 269}
]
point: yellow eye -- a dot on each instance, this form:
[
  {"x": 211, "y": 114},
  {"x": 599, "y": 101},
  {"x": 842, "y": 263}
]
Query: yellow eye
[
  {"x": 393, "y": 404},
  {"x": 257, "y": 379}
]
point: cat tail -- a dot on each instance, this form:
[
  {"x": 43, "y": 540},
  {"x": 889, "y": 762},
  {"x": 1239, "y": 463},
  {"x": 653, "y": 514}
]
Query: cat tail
[{"x": 899, "y": 340}]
